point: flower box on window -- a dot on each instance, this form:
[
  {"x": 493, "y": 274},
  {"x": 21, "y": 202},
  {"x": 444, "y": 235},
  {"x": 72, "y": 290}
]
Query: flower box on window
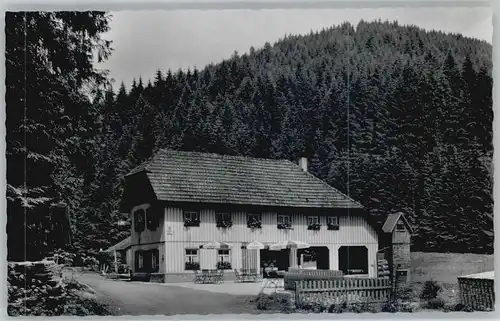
[
  {"x": 224, "y": 265},
  {"x": 285, "y": 226},
  {"x": 191, "y": 266},
  {"x": 314, "y": 226},
  {"x": 254, "y": 224},
  {"x": 191, "y": 222},
  {"x": 224, "y": 224},
  {"x": 333, "y": 227}
]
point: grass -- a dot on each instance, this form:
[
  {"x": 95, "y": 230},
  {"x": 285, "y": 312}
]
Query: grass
[{"x": 445, "y": 268}]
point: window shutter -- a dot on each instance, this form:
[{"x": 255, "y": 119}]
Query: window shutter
[
  {"x": 156, "y": 255},
  {"x": 136, "y": 259}
]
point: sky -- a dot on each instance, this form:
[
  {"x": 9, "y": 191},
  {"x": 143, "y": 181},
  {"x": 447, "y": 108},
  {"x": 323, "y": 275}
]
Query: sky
[{"x": 145, "y": 41}]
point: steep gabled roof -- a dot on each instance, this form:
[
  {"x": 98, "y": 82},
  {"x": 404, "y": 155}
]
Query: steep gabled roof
[
  {"x": 178, "y": 176},
  {"x": 392, "y": 220}
]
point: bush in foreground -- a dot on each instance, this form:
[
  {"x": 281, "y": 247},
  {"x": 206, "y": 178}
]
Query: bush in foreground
[
  {"x": 430, "y": 290},
  {"x": 38, "y": 290}
]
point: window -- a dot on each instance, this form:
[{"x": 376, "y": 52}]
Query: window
[
  {"x": 332, "y": 222},
  {"x": 284, "y": 221},
  {"x": 153, "y": 218},
  {"x": 254, "y": 220},
  {"x": 400, "y": 227},
  {"x": 139, "y": 218},
  {"x": 147, "y": 261},
  {"x": 312, "y": 220},
  {"x": 140, "y": 260},
  {"x": 191, "y": 218},
  {"x": 313, "y": 223},
  {"x": 223, "y": 259},
  {"x": 223, "y": 220},
  {"x": 155, "y": 260},
  {"x": 191, "y": 255}
]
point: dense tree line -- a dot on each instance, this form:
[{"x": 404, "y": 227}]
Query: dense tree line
[{"x": 395, "y": 116}]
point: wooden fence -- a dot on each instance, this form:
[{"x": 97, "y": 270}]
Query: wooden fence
[
  {"x": 476, "y": 293},
  {"x": 369, "y": 290},
  {"x": 294, "y": 275}
]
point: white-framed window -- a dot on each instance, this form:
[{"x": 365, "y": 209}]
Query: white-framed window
[
  {"x": 223, "y": 255},
  {"x": 224, "y": 259},
  {"x": 141, "y": 260},
  {"x": 284, "y": 219},
  {"x": 223, "y": 219},
  {"x": 332, "y": 223},
  {"x": 191, "y": 259},
  {"x": 191, "y": 256},
  {"x": 311, "y": 220},
  {"x": 191, "y": 218},
  {"x": 254, "y": 220},
  {"x": 332, "y": 220},
  {"x": 155, "y": 260}
]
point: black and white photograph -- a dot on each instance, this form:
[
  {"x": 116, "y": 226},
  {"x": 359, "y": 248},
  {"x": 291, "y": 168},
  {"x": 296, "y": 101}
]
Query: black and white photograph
[{"x": 275, "y": 160}]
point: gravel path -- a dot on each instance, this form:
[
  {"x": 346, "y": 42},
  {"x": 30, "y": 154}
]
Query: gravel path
[{"x": 129, "y": 298}]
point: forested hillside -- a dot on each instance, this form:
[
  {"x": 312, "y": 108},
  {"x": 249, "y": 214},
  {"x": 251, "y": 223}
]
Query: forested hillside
[{"x": 397, "y": 117}]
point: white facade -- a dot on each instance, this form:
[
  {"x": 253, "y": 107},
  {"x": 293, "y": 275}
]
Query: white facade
[{"x": 172, "y": 238}]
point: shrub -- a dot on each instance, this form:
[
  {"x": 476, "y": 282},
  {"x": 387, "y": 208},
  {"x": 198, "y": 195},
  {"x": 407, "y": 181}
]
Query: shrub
[
  {"x": 359, "y": 307},
  {"x": 430, "y": 290},
  {"x": 224, "y": 265},
  {"x": 435, "y": 303},
  {"x": 389, "y": 307},
  {"x": 337, "y": 307},
  {"x": 192, "y": 266},
  {"x": 406, "y": 294},
  {"x": 45, "y": 294},
  {"x": 263, "y": 301}
]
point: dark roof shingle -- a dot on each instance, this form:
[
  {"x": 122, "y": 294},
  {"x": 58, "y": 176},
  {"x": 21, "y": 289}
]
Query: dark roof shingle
[
  {"x": 178, "y": 176},
  {"x": 392, "y": 219}
]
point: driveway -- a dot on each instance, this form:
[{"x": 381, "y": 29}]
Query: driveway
[{"x": 131, "y": 298}]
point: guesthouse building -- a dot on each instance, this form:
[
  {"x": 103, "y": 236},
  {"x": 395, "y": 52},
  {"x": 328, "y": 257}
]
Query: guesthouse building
[{"x": 193, "y": 210}]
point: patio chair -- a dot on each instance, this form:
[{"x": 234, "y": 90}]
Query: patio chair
[
  {"x": 253, "y": 275},
  {"x": 219, "y": 276},
  {"x": 198, "y": 276},
  {"x": 238, "y": 275}
]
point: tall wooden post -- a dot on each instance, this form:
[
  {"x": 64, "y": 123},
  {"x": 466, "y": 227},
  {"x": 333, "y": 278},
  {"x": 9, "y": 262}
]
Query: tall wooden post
[{"x": 399, "y": 231}]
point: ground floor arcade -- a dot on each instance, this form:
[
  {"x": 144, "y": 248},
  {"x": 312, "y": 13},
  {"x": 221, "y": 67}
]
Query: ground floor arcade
[{"x": 184, "y": 257}]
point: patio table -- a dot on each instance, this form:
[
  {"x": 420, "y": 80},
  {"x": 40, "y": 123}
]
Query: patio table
[
  {"x": 211, "y": 276},
  {"x": 272, "y": 280},
  {"x": 247, "y": 275}
]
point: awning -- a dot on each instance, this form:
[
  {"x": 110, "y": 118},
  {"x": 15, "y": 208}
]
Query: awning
[
  {"x": 216, "y": 245},
  {"x": 255, "y": 245},
  {"x": 288, "y": 245}
]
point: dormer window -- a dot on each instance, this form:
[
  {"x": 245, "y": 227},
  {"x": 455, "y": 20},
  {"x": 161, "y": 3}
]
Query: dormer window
[
  {"x": 284, "y": 222},
  {"x": 191, "y": 218},
  {"x": 139, "y": 220}
]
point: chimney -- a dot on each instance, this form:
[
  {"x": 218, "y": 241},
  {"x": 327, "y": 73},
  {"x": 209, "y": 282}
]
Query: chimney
[{"x": 303, "y": 163}]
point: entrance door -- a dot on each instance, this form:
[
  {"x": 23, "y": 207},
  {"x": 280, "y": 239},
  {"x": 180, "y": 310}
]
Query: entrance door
[
  {"x": 279, "y": 259},
  {"x": 353, "y": 260},
  {"x": 322, "y": 258}
]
